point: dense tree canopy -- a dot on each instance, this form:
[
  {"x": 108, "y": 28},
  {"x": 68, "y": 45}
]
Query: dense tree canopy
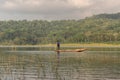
[{"x": 98, "y": 28}]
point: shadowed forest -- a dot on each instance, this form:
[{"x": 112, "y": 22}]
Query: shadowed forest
[{"x": 102, "y": 28}]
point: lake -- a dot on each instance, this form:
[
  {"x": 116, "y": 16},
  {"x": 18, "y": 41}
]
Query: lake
[{"x": 96, "y": 63}]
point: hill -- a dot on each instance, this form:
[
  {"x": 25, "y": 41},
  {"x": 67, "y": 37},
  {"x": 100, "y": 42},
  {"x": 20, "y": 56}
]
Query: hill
[
  {"x": 108, "y": 16},
  {"x": 103, "y": 28}
]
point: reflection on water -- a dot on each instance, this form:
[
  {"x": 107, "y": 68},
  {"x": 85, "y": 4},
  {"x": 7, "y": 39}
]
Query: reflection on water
[{"x": 49, "y": 65}]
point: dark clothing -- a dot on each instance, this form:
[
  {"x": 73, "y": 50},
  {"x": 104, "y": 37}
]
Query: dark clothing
[{"x": 58, "y": 45}]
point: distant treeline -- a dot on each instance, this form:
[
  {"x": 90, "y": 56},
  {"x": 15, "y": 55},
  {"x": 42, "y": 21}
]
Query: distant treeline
[{"x": 98, "y": 28}]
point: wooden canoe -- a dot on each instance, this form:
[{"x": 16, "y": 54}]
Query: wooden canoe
[{"x": 75, "y": 50}]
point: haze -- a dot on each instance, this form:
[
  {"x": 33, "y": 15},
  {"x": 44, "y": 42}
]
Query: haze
[{"x": 55, "y": 9}]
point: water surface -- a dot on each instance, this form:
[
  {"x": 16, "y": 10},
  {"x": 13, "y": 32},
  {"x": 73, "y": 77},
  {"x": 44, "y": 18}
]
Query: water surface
[{"x": 45, "y": 64}]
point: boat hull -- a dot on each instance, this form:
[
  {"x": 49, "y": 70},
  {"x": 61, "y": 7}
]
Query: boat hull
[{"x": 76, "y": 50}]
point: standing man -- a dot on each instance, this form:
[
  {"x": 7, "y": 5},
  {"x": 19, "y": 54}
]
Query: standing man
[
  {"x": 58, "y": 48},
  {"x": 58, "y": 45}
]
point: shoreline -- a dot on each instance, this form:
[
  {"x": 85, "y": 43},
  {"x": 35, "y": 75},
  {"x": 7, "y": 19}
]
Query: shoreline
[{"x": 67, "y": 45}]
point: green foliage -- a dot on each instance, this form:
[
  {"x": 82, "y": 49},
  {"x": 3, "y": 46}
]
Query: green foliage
[{"x": 98, "y": 28}]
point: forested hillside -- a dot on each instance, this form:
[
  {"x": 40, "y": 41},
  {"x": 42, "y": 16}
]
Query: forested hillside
[{"x": 98, "y": 28}]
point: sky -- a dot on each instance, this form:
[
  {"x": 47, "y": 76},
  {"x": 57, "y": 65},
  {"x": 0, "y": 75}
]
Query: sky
[{"x": 55, "y": 9}]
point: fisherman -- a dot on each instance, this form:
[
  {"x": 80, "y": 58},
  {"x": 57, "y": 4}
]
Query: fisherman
[{"x": 58, "y": 45}]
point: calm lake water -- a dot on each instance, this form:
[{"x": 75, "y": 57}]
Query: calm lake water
[{"x": 97, "y": 63}]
